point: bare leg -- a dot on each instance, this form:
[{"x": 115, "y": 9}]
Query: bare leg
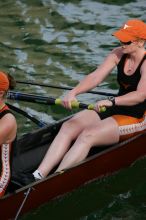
[
  {"x": 68, "y": 132},
  {"x": 104, "y": 133}
]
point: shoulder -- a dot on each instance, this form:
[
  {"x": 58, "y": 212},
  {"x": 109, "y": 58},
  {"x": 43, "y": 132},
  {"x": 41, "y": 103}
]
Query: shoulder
[
  {"x": 8, "y": 128},
  {"x": 117, "y": 54},
  {"x": 9, "y": 119},
  {"x": 112, "y": 59}
]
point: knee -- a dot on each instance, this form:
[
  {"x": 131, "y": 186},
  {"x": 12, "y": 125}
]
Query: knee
[
  {"x": 88, "y": 135},
  {"x": 70, "y": 124}
]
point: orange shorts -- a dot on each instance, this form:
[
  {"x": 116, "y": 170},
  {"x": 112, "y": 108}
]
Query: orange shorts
[{"x": 130, "y": 126}]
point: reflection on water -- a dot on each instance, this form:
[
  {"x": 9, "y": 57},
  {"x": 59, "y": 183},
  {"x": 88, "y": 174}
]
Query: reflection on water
[{"x": 59, "y": 42}]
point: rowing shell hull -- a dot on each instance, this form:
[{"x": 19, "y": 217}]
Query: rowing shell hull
[{"x": 94, "y": 167}]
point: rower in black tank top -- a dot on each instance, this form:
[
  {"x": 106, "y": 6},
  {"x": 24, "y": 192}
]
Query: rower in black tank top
[{"x": 127, "y": 83}]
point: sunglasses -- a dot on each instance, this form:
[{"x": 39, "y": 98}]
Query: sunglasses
[{"x": 126, "y": 43}]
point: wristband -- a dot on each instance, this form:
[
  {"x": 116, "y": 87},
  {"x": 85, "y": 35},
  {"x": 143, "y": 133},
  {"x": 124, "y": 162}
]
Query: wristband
[{"x": 112, "y": 99}]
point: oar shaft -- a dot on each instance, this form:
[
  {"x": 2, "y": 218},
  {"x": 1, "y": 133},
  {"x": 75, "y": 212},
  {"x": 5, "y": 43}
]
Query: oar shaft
[
  {"x": 27, "y": 115},
  {"x": 65, "y": 87},
  {"x": 30, "y": 98},
  {"x": 46, "y": 100}
]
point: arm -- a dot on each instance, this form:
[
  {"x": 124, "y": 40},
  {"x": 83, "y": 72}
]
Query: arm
[
  {"x": 8, "y": 129},
  {"x": 93, "y": 79},
  {"x": 97, "y": 76}
]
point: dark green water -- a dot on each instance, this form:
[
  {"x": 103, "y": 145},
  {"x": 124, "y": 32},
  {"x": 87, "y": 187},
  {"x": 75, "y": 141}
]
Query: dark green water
[{"x": 59, "y": 42}]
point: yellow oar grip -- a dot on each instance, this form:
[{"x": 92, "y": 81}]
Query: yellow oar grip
[
  {"x": 74, "y": 104},
  {"x": 91, "y": 107},
  {"x": 102, "y": 109},
  {"x": 58, "y": 101}
]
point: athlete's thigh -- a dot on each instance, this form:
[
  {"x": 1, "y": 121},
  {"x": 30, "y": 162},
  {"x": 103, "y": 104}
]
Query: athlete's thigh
[
  {"x": 87, "y": 117},
  {"x": 107, "y": 131}
]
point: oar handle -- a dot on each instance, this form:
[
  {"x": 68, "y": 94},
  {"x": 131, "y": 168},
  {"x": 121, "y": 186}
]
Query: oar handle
[
  {"x": 48, "y": 100},
  {"x": 76, "y": 104}
]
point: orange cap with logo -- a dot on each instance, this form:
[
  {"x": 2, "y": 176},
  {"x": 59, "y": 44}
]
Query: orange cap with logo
[
  {"x": 132, "y": 30},
  {"x": 4, "y": 82}
]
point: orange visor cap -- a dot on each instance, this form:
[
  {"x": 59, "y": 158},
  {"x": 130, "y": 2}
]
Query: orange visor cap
[
  {"x": 132, "y": 30},
  {"x": 4, "y": 82}
]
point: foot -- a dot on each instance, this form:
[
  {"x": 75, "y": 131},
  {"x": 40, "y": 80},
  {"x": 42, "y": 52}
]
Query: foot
[{"x": 24, "y": 178}]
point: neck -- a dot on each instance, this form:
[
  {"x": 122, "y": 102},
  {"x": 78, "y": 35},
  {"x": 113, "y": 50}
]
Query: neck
[
  {"x": 137, "y": 55},
  {"x": 134, "y": 59}
]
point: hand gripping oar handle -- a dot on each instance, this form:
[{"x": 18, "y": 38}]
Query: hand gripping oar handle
[
  {"x": 76, "y": 104},
  {"x": 47, "y": 100}
]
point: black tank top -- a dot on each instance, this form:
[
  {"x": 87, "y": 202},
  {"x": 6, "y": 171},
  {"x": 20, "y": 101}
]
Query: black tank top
[{"x": 129, "y": 84}]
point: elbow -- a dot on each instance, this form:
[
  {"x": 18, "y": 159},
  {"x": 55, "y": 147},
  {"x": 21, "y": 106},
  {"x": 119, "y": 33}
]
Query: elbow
[{"x": 141, "y": 97}]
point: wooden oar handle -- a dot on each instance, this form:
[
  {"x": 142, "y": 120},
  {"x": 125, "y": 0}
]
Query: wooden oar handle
[{"x": 76, "y": 104}]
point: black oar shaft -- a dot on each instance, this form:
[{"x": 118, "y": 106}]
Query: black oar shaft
[
  {"x": 27, "y": 115},
  {"x": 65, "y": 87},
  {"x": 47, "y": 100},
  {"x": 29, "y": 98},
  {"x": 36, "y": 98}
]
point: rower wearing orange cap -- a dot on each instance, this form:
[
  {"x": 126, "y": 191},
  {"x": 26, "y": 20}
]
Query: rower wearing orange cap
[
  {"x": 8, "y": 129},
  {"x": 125, "y": 114}
]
